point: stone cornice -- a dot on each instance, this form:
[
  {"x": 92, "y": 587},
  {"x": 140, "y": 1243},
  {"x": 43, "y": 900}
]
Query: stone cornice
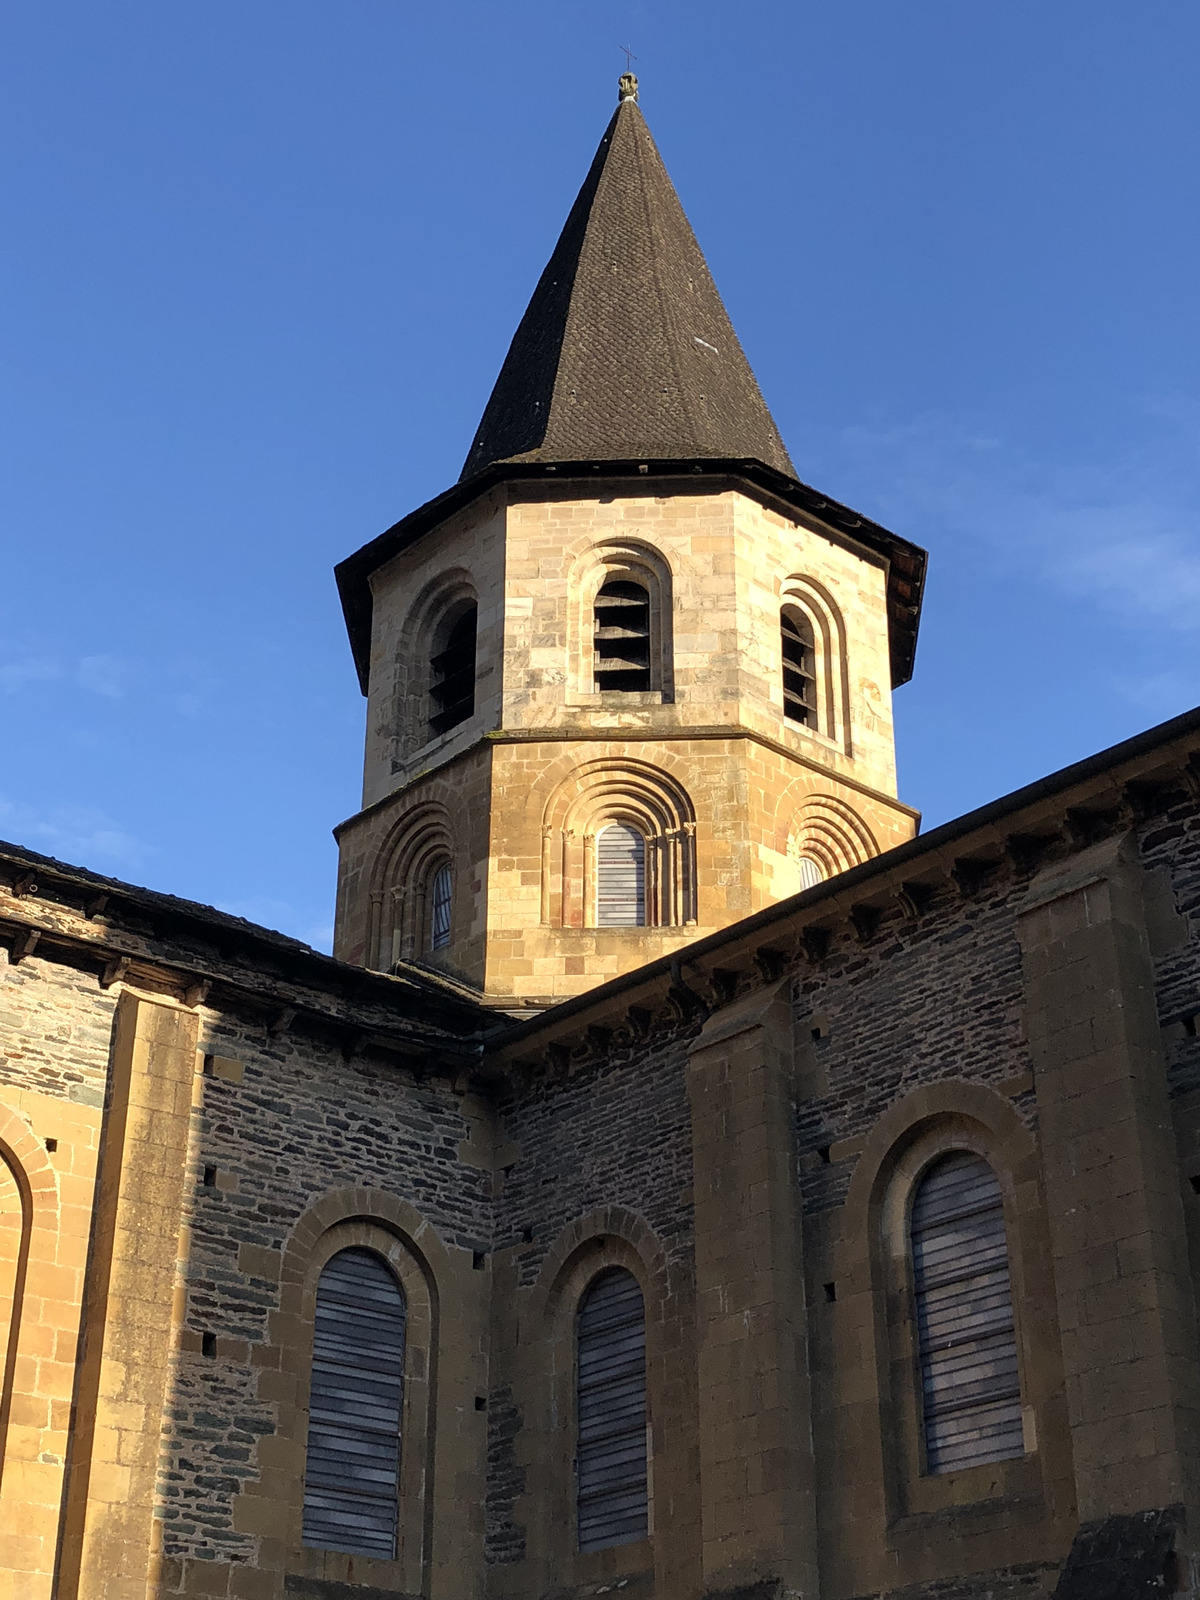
[{"x": 678, "y": 733}]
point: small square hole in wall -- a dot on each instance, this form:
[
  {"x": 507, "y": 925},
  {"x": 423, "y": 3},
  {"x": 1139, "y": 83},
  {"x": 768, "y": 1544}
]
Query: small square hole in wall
[
  {"x": 210, "y": 1177},
  {"x": 479, "y": 1259},
  {"x": 481, "y": 1402},
  {"x": 1189, "y": 1025},
  {"x": 1194, "y": 1180},
  {"x": 527, "y": 1235},
  {"x": 823, "y": 1151},
  {"x": 831, "y": 1292},
  {"x": 51, "y": 1145},
  {"x": 208, "y": 1344}
]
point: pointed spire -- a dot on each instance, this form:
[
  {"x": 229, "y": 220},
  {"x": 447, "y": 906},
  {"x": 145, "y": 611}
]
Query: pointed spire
[{"x": 625, "y": 350}]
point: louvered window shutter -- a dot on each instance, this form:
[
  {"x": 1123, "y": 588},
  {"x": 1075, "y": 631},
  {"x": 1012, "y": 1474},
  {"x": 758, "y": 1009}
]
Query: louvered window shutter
[
  {"x": 799, "y": 678},
  {"x": 620, "y": 877},
  {"x": 971, "y": 1396},
  {"x": 452, "y": 680},
  {"x": 351, "y": 1481},
  {"x": 622, "y": 637},
  {"x": 612, "y": 1499}
]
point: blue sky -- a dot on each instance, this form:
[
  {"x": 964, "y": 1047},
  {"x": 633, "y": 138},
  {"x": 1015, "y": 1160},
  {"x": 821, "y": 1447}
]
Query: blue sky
[{"x": 263, "y": 261}]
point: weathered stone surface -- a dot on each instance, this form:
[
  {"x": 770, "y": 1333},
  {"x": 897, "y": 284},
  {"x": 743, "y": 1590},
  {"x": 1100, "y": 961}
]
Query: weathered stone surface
[{"x": 1122, "y": 1557}]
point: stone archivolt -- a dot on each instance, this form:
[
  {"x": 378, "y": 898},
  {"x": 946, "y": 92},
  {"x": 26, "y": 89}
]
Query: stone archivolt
[
  {"x": 422, "y": 841},
  {"x": 641, "y": 796},
  {"x": 439, "y": 603},
  {"x": 829, "y": 832},
  {"x": 829, "y": 638}
]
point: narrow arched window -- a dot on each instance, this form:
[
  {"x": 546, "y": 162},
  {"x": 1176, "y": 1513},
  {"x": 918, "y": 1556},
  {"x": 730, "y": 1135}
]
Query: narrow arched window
[
  {"x": 441, "y": 894},
  {"x": 352, "y": 1471},
  {"x": 810, "y": 873},
  {"x": 970, "y": 1389},
  {"x": 452, "y": 670},
  {"x": 799, "y": 667},
  {"x": 622, "y": 636},
  {"x": 620, "y": 877},
  {"x": 611, "y": 1459}
]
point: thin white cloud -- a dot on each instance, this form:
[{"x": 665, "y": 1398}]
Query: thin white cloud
[
  {"x": 17, "y": 675},
  {"x": 106, "y": 675},
  {"x": 1123, "y": 532},
  {"x": 1160, "y": 694},
  {"x": 74, "y": 834}
]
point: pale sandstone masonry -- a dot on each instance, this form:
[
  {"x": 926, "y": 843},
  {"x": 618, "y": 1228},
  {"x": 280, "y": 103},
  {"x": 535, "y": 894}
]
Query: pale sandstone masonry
[
  {"x": 511, "y": 788},
  {"x": 109, "y": 1547}
]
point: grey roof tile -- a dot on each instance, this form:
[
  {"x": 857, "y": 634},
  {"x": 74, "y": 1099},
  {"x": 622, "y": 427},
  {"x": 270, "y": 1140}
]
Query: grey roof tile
[{"x": 625, "y": 349}]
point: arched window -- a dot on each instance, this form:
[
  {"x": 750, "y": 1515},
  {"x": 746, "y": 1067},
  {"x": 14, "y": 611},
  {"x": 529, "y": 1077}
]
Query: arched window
[
  {"x": 798, "y": 650},
  {"x": 441, "y": 892},
  {"x": 967, "y": 1346},
  {"x": 452, "y": 670},
  {"x": 611, "y": 1459},
  {"x": 620, "y": 877},
  {"x": 622, "y": 636},
  {"x": 352, "y": 1471},
  {"x": 810, "y": 873},
  {"x": 619, "y": 848}
]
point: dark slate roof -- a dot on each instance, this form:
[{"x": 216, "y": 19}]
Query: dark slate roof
[
  {"x": 625, "y": 350},
  {"x": 162, "y": 928}
]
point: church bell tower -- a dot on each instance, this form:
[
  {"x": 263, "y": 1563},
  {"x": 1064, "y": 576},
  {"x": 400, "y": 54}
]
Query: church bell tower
[{"x": 629, "y": 680}]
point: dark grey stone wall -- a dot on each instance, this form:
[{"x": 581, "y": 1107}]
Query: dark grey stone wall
[
  {"x": 304, "y": 1121},
  {"x": 920, "y": 1002},
  {"x": 609, "y": 1129},
  {"x": 57, "y": 1029}
]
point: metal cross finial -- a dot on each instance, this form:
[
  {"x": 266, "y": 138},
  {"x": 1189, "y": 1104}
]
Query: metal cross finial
[{"x": 628, "y": 84}]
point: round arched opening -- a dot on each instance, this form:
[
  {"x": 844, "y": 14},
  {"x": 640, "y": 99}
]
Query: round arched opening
[{"x": 620, "y": 877}]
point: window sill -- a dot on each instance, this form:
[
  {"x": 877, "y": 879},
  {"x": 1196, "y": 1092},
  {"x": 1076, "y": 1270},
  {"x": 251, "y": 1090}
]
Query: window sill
[
  {"x": 632, "y": 1565},
  {"x": 804, "y": 732},
  {"x": 420, "y": 758},
  {"x": 973, "y": 1493},
  {"x": 605, "y": 699},
  {"x": 333, "y": 1575}
]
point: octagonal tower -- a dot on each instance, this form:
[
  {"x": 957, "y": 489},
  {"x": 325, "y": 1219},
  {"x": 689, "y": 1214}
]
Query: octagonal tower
[{"x": 629, "y": 680}]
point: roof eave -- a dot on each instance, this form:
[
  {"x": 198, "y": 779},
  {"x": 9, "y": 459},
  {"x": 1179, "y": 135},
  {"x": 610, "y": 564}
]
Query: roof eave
[{"x": 905, "y": 562}]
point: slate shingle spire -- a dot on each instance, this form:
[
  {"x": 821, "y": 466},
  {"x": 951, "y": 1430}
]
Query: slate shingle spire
[{"x": 625, "y": 350}]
